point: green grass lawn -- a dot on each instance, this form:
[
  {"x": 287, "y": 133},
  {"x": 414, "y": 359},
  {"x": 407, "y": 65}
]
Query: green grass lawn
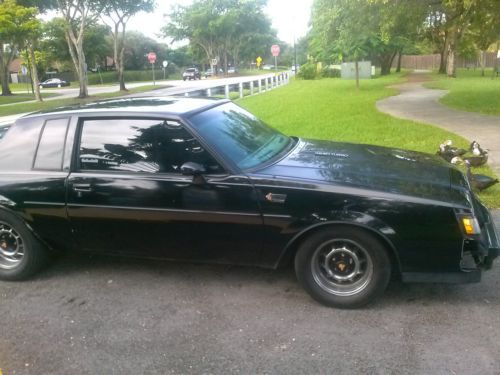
[
  {"x": 469, "y": 91},
  {"x": 333, "y": 109},
  {"x": 31, "y": 107},
  {"x": 17, "y": 98}
]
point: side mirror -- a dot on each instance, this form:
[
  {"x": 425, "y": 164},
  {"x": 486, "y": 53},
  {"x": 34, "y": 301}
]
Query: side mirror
[{"x": 192, "y": 169}]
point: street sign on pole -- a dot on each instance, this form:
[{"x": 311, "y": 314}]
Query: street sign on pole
[
  {"x": 152, "y": 57},
  {"x": 152, "y": 60},
  {"x": 259, "y": 61},
  {"x": 275, "y": 50},
  {"x": 165, "y": 64}
]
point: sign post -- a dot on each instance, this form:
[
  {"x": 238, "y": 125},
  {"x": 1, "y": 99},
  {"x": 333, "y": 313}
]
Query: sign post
[
  {"x": 214, "y": 65},
  {"x": 275, "y": 50},
  {"x": 152, "y": 60},
  {"x": 165, "y": 64},
  {"x": 24, "y": 72}
]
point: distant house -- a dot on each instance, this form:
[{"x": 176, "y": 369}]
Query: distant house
[
  {"x": 15, "y": 68},
  {"x": 15, "y": 65}
]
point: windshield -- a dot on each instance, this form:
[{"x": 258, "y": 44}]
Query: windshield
[{"x": 240, "y": 136}]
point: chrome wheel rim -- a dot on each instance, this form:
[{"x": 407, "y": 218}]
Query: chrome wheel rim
[
  {"x": 342, "y": 267},
  {"x": 11, "y": 247}
]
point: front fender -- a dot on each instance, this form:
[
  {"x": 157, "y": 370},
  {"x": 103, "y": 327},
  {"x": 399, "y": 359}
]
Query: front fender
[{"x": 361, "y": 220}]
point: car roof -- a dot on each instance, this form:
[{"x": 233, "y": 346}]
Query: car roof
[{"x": 138, "y": 106}]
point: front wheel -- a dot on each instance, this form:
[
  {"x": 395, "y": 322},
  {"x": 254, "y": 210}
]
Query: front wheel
[
  {"x": 343, "y": 267},
  {"x": 21, "y": 254}
]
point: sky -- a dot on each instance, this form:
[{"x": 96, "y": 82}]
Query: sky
[{"x": 290, "y": 18}]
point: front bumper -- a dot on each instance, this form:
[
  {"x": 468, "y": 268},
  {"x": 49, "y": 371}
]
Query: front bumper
[
  {"x": 488, "y": 243},
  {"x": 479, "y": 252}
]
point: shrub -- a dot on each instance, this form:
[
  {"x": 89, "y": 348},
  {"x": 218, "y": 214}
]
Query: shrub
[
  {"x": 327, "y": 72},
  {"x": 307, "y": 71}
]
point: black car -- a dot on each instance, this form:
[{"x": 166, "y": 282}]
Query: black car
[
  {"x": 204, "y": 180},
  {"x": 54, "y": 82},
  {"x": 191, "y": 73}
]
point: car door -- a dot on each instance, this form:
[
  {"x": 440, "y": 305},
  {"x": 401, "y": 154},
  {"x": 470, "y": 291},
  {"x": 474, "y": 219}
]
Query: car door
[{"x": 127, "y": 194}]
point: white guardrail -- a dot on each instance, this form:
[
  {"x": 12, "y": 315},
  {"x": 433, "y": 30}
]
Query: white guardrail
[{"x": 251, "y": 86}]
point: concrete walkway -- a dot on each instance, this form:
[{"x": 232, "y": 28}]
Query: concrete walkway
[{"x": 418, "y": 103}]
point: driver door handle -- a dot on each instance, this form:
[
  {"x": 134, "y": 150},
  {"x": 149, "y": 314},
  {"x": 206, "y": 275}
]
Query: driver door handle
[{"x": 82, "y": 188}]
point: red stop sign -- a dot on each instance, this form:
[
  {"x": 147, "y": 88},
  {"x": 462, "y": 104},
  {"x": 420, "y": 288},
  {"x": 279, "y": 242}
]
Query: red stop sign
[
  {"x": 275, "y": 50},
  {"x": 152, "y": 57}
]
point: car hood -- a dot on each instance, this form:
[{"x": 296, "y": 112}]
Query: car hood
[{"x": 376, "y": 168}]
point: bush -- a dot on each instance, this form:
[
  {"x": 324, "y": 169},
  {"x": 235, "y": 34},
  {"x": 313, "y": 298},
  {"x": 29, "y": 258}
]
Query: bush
[
  {"x": 307, "y": 71},
  {"x": 327, "y": 72}
]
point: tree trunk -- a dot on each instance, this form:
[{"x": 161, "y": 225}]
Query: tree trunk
[
  {"x": 225, "y": 63},
  {"x": 482, "y": 58},
  {"x": 4, "y": 71},
  {"x": 384, "y": 68},
  {"x": 386, "y": 62},
  {"x": 34, "y": 73},
  {"x": 115, "y": 50},
  {"x": 443, "y": 53},
  {"x": 75, "y": 46},
  {"x": 121, "y": 62},
  {"x": 357, "y": 74},
  {"x": 495, "y": 66},
  {"x": 400, "y": 57},
  {"x": 451, "y": 70}
]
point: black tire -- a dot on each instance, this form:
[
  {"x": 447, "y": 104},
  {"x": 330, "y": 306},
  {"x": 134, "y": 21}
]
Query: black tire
[
  {"x": 325, "y": 255},
  {"x": 34, "y": 253}
]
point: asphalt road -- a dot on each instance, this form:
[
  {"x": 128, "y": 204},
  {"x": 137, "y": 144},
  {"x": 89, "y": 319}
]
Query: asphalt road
[{"x": 102, "y": 315}]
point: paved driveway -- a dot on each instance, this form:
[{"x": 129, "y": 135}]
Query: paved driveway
[
  {"x": 100, "y": 315},
  {"x": 415, "y": 102}
]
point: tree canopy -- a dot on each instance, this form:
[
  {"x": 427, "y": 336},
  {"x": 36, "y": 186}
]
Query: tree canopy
[
  {"x": 223, "y": 29},
  {"x": 382, "y": 29}
]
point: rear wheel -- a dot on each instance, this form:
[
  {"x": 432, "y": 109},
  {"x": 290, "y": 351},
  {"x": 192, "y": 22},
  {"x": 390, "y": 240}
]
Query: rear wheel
[
  {"x": 21, "y": 254},
  {"x": 343, "y": 267}
]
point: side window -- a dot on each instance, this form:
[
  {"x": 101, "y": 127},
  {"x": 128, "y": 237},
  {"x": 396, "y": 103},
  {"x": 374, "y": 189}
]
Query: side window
[
  {"x": 50, "y": 151},
  {"x": 139, "y": 145},
  {"x": 3, "y": 130}
]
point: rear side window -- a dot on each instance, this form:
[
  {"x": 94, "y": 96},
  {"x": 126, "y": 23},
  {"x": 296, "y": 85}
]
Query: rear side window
[
  {"x": 49, "y": 155},
  {"x": 3, "y": 130},
  {"x": 19, "y": 144},
  {"x": 140, "y": 145}
]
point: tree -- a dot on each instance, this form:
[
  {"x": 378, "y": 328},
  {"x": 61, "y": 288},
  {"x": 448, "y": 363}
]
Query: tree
[
  {"x": 449, "y": 22},
  {"x": 117, "y": 13},
  {"x": 458, "y": 14},
  {"x": 379, "y": 29},
  {"x": 77, "y": 14},
  {"x": 222, "y": 28},
  {"x": 339, "y": 30},
  {"x": 96, "y": 43},
  {"x": 196, "y": 24},
  {"x": 485, "y": 28},
  {"x": 18, "y": 24},
  {"x": 137, "y": 46},
  {"x": 33, "y": 41}
]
